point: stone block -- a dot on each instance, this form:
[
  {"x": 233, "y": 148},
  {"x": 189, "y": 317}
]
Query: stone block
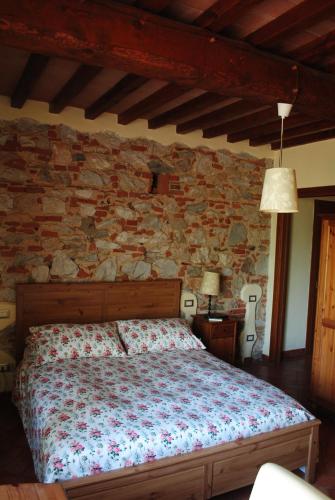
[
  {"x": 90, "y": 178},
  {"x": 237, "y": 234},
  {"x": 106, "y": 271},
  {"x": 40, "y": 274},
  {"x": 166, "y": 268},
  {"x": 53, "y": 205},
  {"x": 63, "y": 266}
]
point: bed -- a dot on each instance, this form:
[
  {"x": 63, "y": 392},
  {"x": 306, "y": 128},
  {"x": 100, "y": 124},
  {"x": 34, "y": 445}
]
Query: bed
[{"x": 211, "y": 467}]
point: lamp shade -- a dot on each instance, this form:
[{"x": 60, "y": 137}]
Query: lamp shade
[
  {"x": 210, "y": 284},
  {"x": 279, "y": 191}
]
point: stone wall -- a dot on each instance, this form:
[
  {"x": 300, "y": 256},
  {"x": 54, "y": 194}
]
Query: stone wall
[{"x": 84, "y": 207}]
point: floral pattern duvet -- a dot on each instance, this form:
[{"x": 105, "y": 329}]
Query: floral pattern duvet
[{"x": 90, "y": 415}]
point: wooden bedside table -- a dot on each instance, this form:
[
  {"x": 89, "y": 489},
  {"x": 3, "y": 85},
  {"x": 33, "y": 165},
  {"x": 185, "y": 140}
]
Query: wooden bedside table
[{"x": 219, "y": 337}]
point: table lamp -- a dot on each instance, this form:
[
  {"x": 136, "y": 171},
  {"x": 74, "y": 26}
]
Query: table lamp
[{"x": 210, "y": 286}]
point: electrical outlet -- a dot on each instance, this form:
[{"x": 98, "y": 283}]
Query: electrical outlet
[
  {"x": 250, "y": 338},
  {"x": 4, "y": 313}
]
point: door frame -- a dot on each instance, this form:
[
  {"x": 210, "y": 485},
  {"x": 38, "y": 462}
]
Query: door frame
[{"x": 283, "y": 241}]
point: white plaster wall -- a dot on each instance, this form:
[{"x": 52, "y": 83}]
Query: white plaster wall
[
  {"x": 314, "y": 163},
  {"x": 267, "y": 330},
  {"x": 315, "y": 166},
  {"x": 298, "y": 276}
]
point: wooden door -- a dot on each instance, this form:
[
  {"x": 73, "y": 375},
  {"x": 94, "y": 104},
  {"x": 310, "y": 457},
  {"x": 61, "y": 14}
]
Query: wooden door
[
  {"x": 322, "y": 210},
  {"x": 323, "y": 365}
]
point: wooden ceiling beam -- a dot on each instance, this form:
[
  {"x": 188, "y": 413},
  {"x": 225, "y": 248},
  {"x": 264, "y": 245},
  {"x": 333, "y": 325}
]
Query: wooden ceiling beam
[
  {"x": 31, "y": 73},
  {"x": 306, "y": 139},
  {"x": 241, "y": 124},
  {"x": 312, "y": 51},
  {"x": 97, "y": 34},
  {"x": 269, "y": 126},
  {"x": 120, "y": 90},
  {"x": 311, "y": 127},
  {"x": 219, "y": 116},
  {"x": 155, "y": 6},
  {"x": 153, "y": 101},
  {"x": 181, "y": 112},
  {"x": 299, "y": 17},
  {"x": 223, "y": 13},
  {"x": 81, "y": 78}
]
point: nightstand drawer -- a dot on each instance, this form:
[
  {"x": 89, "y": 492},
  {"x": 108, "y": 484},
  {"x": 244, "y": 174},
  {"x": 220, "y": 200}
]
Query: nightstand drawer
[
  {"x": 223, "y": 348},
  {"x": 219, "y": 337},
  {"x": 220, "y": 330}
]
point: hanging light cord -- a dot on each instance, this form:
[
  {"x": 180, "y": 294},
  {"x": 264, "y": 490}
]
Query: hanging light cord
[{"x": 281, "y": 142}]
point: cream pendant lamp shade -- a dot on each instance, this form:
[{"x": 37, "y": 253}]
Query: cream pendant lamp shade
[{"x": 279, "y": 193}]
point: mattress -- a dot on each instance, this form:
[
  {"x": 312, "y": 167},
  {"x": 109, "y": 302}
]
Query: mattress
[{"x": 91, "y": 415}]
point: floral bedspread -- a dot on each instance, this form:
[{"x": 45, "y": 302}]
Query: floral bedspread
[{"x": 90, "y": 415}]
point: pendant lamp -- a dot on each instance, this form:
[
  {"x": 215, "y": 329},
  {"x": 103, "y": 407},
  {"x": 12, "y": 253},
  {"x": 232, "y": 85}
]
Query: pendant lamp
[{"x": 280, "y": 186}]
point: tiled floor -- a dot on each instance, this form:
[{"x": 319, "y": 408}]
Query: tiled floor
[{"x": 292, "y": 376}]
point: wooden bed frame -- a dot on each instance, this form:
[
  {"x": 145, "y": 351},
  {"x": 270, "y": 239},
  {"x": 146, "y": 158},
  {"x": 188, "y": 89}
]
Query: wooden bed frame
[{"x": 198, "y": 475}]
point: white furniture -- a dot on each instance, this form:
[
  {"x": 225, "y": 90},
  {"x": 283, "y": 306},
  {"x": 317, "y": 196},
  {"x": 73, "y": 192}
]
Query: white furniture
[{"x": 276, "y": 483}]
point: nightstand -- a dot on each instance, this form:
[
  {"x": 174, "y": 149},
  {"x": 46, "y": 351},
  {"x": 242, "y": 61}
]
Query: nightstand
[
  {"x": 7, "y": 371},
  {"x": 219, "y": 337}
]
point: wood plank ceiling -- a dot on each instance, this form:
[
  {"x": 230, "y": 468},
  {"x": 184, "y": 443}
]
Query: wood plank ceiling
[{"x": 301, "y": 31}]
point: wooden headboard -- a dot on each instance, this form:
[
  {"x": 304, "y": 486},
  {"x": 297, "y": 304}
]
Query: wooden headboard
[{"x": 42, "y": 303}]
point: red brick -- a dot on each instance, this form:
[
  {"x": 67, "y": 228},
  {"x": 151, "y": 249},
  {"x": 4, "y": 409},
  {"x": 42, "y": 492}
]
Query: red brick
[
  {"x": 32, "y": 189},
  {"x": 30, "y": 224},
  {"x": 130, "y": 247},
  {"x": 82, "y": 274},
  {"x": 240, "y": 251},
  {"x": 17, "y": 269},
  {"x": 48, "y": 218},
  {"x": 15, "y": 189},
  {"x": 8, "y": 253},
  {"x": 49, "y": 234}
]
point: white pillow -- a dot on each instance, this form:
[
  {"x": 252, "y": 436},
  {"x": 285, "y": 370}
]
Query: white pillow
[
  {"x": 48, "y": 343},
  {"x": 154, "y": 335}
]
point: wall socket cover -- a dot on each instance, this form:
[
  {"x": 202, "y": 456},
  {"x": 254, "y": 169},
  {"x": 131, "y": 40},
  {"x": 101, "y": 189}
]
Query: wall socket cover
[{"x": 4, "y": 313}]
